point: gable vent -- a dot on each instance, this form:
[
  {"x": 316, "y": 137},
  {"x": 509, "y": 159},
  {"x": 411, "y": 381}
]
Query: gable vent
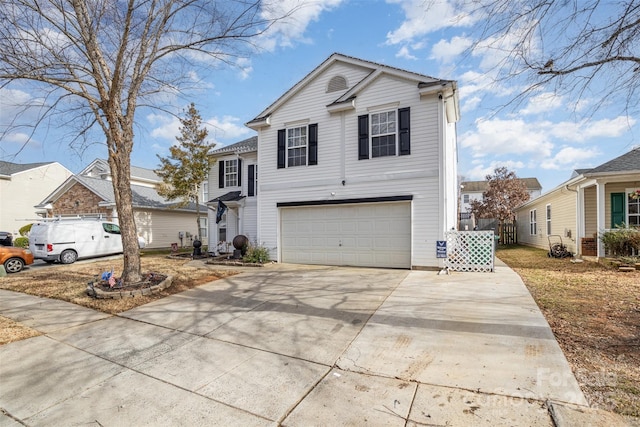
[{"x": 337, "y": 83}]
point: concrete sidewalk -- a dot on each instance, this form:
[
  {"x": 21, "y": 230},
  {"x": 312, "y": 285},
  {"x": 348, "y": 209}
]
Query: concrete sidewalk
[{"x": 298, "y": 346}]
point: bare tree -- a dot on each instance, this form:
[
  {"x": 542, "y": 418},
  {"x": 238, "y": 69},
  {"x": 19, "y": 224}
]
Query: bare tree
[
  {"x": 504, "y": 193},
  {"x": 96, "y": 61},
  {"x": 188, "y": 164},
  {"x": 585, "y": 49}
]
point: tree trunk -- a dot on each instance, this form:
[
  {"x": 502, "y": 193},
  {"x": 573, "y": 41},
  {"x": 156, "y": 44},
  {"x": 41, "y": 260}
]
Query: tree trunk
[{"x": 119, "y": 162}]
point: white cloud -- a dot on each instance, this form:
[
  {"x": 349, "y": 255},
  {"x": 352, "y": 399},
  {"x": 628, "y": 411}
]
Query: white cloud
[
  {"x": 502, "y": 137},
  {"x": 591, "y": 129},
  {"x": 292, "y": 18},
  {"x": 480, "y": 170},
  {"x": 446, "y": 50},
  {"x": 542, "y": 103},
  {"x": 422, "y": 18},
  {"x": 227, "y": 127},
  {"x": 471, "y": 103},
  {"x": 569, "y": 158},
  {"x": 404, "y": 53}
]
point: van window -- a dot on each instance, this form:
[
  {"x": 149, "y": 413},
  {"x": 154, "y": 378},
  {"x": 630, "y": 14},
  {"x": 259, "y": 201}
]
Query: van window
[{"x": 111, "y": 228}]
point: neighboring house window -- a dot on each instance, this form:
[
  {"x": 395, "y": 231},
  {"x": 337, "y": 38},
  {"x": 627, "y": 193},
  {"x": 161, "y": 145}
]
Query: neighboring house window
[
  {"x": 298, "y": 146},
  {"x": 384, "y": 134},
  {"x": 205, "y": 191},
  {"x": 633, "y": 208},
  {"x": 465, "y": 198},
  {"x": 203, "y": 228},
  {"x": 533, "y": 226},
  {"x": 548, "y": 219},
  {"x": 229, "y": 173},
  {"x": 252, "y": 185}
]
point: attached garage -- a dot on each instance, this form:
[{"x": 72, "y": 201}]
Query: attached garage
[{"x": 361, "y": 233}]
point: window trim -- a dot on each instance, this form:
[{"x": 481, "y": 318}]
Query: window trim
[
  {"x": 402, "y": 133},
  {"x": 311, "y": 145},
  {"x": 533, "y": 222},
  {"x": 294, "y": 138},
  {"x": 628, "y": 203},
  {"x": 228, "y": 164}
]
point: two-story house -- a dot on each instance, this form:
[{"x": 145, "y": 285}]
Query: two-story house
[
  {"x": 233, "y": 181},
  {"x": 357, "y": 167}
]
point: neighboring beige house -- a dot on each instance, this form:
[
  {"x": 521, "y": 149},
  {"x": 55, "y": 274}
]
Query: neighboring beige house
[
  {"x": 90, "y": 193},
  {"x": 591, "y": 201},
  {"x": 24, "y": 185}
]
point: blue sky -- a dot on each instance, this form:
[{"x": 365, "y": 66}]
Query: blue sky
[{"x": 539, "y": 138}]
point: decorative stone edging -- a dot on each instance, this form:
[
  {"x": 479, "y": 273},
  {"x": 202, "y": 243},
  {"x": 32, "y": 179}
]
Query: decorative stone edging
[
  {"x": 94, "y": 292},
  {"x": 235, "y": 263}
]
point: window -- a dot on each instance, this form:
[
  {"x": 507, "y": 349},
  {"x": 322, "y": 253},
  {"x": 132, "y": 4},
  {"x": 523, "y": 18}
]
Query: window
[
  {"x": 465, "y": 198},
  {"x": 633, "y": 208},
  {"x": 384, "y": 134},
  {"x": 548, "y": 219},
  {"x": 533, "y": 226},
  {"x": 298, "y": 146},
  {"x": 203, "y": 227},
  {"x": 229, "y": 173},
  {"x": 205, "y": 191},
  {"x": 111, "y": 228}
]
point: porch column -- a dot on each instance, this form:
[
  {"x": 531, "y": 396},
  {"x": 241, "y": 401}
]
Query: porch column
[
  {"x": 580, "y": 219},
  {"x": 600, "y": 203}
]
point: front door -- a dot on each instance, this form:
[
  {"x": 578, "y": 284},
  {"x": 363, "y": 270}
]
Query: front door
[{"x": 618, "y": 214}]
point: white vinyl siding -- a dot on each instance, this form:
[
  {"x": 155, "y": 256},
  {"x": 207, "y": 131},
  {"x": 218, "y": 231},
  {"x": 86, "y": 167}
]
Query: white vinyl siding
[{"x": 160, "y": 229}]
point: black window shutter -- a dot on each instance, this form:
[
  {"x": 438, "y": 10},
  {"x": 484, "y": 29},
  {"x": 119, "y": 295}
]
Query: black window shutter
[
  {"x": 221, "y": 174},
  {"x": 405, "y": 135},
  {"x": 313, "y": 144},
  {"x": 251, "y": 183},
  {"x": 282, "y": 148},
  {"x": 239, "y": 173},
  {"x": 363, "y": 137}
]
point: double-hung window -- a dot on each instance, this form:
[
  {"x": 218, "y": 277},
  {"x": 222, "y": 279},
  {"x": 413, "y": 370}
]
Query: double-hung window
[
  {"x": 298, "y": 146},
  {"x": 384, "y": 133},
  {"x": 230, "y": 173},
  {"x": 533, "y": 226},
  {"x": 548, "y": 219},
  {"x": 633, "y": 207}
]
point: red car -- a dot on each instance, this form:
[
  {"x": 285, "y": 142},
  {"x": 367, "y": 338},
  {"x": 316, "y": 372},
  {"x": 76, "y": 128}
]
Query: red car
[{"x": 14, "y": 259}]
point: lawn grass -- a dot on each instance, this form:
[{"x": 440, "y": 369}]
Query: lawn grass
[{"x": 594, "y": 312}]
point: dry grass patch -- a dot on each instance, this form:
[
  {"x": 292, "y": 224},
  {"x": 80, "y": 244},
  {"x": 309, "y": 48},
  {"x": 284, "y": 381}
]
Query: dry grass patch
[
  {"x": 594, "y": 312},
  {"x": 69, "y": 282},
  {"x": 11, "y": 331}
]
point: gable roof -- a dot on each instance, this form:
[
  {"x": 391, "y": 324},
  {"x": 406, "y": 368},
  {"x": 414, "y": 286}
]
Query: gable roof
[
  {"x": 143, "y": 196},
  {"x": 532, "y": 184},
  {"x": 423, "y": 83},
  {"x": 626, "y": 163},
  {"x": 245, "y": 146},
  {"x": 100, "y": 167},
  {"x": 8, "y": 168}
]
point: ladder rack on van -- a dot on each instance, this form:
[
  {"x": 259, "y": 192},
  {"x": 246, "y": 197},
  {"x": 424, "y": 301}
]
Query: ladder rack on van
[{"x": 88, "y": 217}]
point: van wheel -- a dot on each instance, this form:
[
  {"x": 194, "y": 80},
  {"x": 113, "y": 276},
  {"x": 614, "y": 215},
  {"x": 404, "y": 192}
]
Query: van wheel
[
  {"x": 68, "y": 257},
  {"x": 13, "y": 265}
]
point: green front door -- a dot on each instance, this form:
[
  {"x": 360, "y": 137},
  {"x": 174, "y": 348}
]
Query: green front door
[{"x": 618, "y": 214}]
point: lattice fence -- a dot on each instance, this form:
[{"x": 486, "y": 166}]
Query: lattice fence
[{"x": 470, "y": 250}]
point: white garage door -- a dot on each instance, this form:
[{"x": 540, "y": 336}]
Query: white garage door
[{"x": 365, "y": 234}]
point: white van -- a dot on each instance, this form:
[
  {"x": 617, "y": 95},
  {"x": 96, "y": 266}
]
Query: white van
[{"x": 66, "y": 240}]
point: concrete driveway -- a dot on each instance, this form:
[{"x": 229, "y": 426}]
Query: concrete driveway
[{"x": 296, "y": 346}]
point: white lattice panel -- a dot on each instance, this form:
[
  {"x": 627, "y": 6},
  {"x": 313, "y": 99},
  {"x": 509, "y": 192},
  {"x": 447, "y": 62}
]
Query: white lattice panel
[{"x": 470, "y": 250}]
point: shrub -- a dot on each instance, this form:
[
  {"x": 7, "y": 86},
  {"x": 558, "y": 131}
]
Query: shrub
[
  {"x": 21, "y": 242},
  {"x": 621, "y": 241},
  {"x": 257, "y": 254},
  {"x": 24, "y": 230}
]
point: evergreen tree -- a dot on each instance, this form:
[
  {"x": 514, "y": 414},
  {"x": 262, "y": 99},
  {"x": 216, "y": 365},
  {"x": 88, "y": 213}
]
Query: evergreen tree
[{"x": 188, "y": 165}]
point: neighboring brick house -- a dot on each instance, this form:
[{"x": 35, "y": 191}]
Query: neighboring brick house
[
  {"x": 90, "y": 193},
  {"x": 22, "y": 185},
  {"x": 591, "y": 201}
]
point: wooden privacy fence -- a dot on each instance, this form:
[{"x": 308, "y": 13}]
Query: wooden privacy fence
[{"x": 508, "y": 233}]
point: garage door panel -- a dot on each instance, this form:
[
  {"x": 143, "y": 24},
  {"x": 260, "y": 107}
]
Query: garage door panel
[{"x": 369, "y": 235}]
